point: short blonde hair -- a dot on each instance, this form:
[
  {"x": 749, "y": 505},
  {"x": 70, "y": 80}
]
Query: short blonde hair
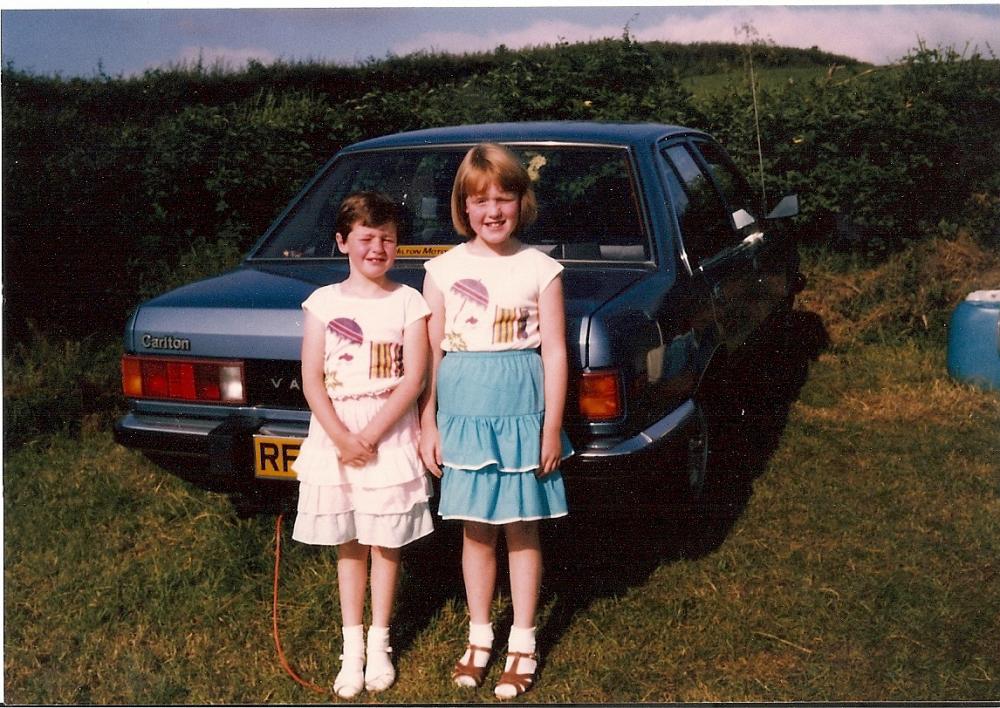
[{"x": 485, "y": 163}]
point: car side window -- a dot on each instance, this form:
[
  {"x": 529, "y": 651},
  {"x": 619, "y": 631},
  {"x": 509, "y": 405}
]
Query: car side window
[
  {"x": 701, "y": 215},
  {"x": 734, "y": 187}
]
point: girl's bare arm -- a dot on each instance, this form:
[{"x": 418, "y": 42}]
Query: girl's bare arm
[
  {"x": 552, "y": 327},
  {"x": 430, "y": 439}
]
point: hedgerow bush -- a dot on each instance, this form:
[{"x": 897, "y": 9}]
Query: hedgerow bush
[
  {"x": 115, "y": 188},
  {"x": 880, "y": 157},
  {"x": 210, "y": 169},
  {"x": 614, "y": 80}
]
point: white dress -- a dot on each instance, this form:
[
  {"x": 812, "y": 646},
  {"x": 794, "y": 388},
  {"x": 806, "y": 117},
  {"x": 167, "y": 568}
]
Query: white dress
[{"x": 384, "y": 503}]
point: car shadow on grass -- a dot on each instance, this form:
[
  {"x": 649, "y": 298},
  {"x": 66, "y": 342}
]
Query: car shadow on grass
[{"x": 591, "y": 555}]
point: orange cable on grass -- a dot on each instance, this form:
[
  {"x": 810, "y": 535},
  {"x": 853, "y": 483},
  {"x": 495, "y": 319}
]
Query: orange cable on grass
[{"x": 274, "y": 615}]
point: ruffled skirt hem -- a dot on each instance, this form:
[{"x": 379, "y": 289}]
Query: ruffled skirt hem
[
  {"x": 330, "y": 499},
  {"x": 384, "y": 530},
  {"x": 512, "y": 443},
  {"x": 494, "y": 497}
]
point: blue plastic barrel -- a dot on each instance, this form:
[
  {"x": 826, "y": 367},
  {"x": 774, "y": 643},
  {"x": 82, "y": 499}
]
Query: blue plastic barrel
[{"x": 974, "y": 340}]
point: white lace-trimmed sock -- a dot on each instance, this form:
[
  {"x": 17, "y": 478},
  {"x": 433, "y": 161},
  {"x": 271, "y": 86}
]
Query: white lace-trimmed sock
[
  {"x": 379, "y": 672},
  {"x": 522, "y": 640},
  {"x": 480, "y": 635},
  {"x": 351, "y": 678}
]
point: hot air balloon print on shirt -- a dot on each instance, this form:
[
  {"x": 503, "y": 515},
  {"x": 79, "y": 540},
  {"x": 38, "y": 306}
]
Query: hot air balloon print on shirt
[
  {"x": 346, "y": 336},
  {"x": 473, "y": 301}
]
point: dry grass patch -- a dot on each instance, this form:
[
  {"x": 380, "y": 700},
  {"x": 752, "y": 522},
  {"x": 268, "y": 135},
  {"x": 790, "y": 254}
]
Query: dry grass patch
[
  {"x": 910, "y": 294},
  {"x": 941, "y": 403}
]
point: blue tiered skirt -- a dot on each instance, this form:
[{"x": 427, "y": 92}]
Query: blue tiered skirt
[{"x": 490, "y": 411}]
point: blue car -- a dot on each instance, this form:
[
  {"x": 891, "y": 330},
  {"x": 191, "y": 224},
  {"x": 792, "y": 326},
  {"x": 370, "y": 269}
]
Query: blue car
[{"x": 670, "y": 267}]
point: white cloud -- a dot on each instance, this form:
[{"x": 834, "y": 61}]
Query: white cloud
[{"x": 877, "y": 34}]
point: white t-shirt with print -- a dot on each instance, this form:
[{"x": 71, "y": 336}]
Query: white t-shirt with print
[
  {"x": 491, "y": 302},
  {"x": 364, "y": 337}
]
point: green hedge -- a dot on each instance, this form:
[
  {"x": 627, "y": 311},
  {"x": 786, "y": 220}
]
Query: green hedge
[
  {"x": 889, "y": 153},
  {"x": 115, "y": 188}
]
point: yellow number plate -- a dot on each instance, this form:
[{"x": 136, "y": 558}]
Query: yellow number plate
[{"x": 273, "y": 457}]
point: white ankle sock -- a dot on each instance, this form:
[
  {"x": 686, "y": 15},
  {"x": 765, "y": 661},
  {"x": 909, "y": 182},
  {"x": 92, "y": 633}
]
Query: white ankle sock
[
  {"x": 522, "y": 640},
  {"x": 351, "y": 678},
  {"x": 379, "y": 672},
  {"x": 480, "y": 635}
]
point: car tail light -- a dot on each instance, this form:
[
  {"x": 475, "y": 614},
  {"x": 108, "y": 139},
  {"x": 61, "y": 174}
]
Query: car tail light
[
  {"x": 600, "y": 395},
  {"x": 175, "y": 379}
]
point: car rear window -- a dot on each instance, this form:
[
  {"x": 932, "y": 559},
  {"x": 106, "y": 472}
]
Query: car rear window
[{"x": 587, "y": 204}]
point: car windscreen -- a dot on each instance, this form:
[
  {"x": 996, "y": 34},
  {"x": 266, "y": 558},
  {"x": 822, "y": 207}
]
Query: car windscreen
[{"x": 587, "y": 203}]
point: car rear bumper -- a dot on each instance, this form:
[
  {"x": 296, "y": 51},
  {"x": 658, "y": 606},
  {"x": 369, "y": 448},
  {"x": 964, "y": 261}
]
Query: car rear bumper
[
  {"x": 648, "y": 440},
  {"x": 637, "y": 472},
  {"x": 225, "y": 446}
]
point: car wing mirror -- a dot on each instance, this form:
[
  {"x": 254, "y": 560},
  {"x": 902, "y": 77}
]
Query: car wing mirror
[
  {"x": 742, "y": 219},
  {"x": 788, "y": 206}
]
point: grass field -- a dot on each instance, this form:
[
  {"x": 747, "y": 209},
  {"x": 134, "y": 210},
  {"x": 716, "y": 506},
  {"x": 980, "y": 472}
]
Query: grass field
[
  {"x": 845, "y": 549},
  {"x": 710, "y": 85}
]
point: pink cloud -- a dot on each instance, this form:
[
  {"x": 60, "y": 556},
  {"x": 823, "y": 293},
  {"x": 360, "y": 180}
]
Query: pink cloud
[{"x": 877, "y": 34}]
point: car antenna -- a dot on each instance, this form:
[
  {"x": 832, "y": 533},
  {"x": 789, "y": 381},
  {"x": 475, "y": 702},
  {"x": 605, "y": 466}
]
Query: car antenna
[{"x": 748, "y": 30}]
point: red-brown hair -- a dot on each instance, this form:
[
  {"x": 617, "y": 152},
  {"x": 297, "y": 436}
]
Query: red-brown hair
[
  {"x": 371, "y": 209},
  {"x": 483, "y": 164}
]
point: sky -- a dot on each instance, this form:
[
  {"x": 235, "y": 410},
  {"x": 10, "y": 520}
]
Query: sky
[{"x": 125, "y": 40}]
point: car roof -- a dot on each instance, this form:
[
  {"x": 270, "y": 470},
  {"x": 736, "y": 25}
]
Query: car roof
[{"x": 631, "y": 134}]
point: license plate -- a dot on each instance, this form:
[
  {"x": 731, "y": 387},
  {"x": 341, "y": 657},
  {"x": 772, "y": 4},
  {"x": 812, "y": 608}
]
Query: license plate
[{"x": 273, "y": 457}]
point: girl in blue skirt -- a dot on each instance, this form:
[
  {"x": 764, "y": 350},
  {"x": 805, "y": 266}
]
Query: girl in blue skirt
[{"x": 491, "y": 417}]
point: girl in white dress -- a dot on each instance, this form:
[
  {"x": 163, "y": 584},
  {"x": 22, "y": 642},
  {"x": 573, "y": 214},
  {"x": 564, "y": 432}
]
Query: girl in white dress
[{"x": 362, "y": 486}]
